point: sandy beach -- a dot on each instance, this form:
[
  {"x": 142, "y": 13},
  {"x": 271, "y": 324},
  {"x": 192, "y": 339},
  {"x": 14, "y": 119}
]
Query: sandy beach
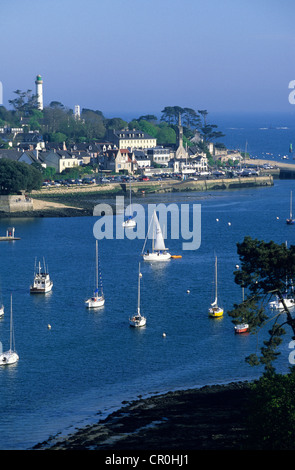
[{"x": 209, "y": 418}]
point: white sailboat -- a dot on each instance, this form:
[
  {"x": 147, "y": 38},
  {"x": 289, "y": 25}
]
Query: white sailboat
[
  {"x": 290, "y": 220},
  {"x": 42, "y": 282},
  {"x": 97, "y": 300},
  {"x": 159, "y": 251},
  {"x": 138, "y": 320},
  {"x": 10, "y": 356},
  {"x": 1, "y": 307},
  {"x": 1, "y": 304},
  {"x": 130, "y": 222},
  {"x": 277, "y": 304},
  {"x": 214, "y": 310},
  {"x": 288, "y": 297}
]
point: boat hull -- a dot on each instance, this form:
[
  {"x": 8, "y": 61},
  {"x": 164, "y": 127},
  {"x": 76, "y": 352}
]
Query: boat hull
[
  {"x": 157, "y": 256},
  {"x": 8, "y": 357},
  {"x": 137, "y": 321},
  {"x": 41, "y": 290},
  {"x": 130, "y": 223},
  {"x": 243, "y": 328},
  {"x": 1, "y": 310},
  {"x": 95, "y": 302},
  {"x": 277, "y": 305},
  {"x": 215, "y": 312}
]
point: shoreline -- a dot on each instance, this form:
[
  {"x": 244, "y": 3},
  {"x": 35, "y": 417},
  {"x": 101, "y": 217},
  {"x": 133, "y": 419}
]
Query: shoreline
[
  {"x": 80, "y": 202},
  {"x": 206, "y": 418}
]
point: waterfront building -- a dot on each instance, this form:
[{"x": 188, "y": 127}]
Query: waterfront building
[
  {"x": 62, "y": 159},
  {"x": 160, "y": 155},
  {"x": 133, "y": 139},
  {"x": 143, "y": 160},
  {"x": 33, "y": 156},
  {"x": 118, "y": 161}
]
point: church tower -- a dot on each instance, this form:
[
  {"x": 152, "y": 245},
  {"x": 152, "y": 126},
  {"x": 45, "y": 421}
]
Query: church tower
[
  {"x": 39, "y": 91},
  {"x": 180, "y": 152}
]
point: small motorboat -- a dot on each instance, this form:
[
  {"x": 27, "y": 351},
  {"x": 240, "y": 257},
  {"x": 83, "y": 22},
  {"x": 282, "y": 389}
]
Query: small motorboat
[{"x": 242, "y": 328}]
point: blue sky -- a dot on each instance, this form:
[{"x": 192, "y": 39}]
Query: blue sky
[{"x": 138, "y": 56}]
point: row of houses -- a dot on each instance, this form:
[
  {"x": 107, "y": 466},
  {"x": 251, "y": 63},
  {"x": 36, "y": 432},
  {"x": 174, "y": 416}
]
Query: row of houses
[
  {"x": 109, "y": 159},
  {"x": 125, "y": 151}
]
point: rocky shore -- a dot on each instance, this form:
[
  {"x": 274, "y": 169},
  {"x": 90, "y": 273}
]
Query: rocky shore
[{"x": 209, "y": 418}]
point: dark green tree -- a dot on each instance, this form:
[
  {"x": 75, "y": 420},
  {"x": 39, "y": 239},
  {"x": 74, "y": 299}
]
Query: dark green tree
[
  {"x": 271, "y": 413},
  {"x": 170, "y": 114},
  {"x": 265, "y": 267},
  {"x": 148, "y": 117},
  {"x": 25, "y": 103},
  {"x": 18, "y": 176}
]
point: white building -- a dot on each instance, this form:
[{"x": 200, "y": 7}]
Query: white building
[
  {"x": 77, "y": 111},
  {"x": 39, "y": 91},
  {"x": 160, "y": 155}
]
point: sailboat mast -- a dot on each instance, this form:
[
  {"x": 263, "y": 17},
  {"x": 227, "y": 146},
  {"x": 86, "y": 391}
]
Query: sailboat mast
[
  {"x": 291, "y": 205},
  {"x": 96, "y": 250},
  {"x": 153, "y": 241},
  {"x": 10, "y": 323},
  {"x": 216, "y": 279},
  {"x": 138, "y": 291},
  {"x": 130, "y": 198}
]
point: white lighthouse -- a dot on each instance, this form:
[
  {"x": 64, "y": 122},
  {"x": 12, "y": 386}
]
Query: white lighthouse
[{"x": 39, "y": 91}]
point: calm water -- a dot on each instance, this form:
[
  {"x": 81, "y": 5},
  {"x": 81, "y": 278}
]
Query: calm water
[
  {"x": 265, "y": 136},
  {"x": 90, "y": 361}
]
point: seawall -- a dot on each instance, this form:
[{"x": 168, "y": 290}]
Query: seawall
[
  {"x": 15, "y": 203},
  {"x": 218, "y": 184}
]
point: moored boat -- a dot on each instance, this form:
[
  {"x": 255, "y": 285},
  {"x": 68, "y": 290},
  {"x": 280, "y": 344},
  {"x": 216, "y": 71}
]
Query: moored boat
[
  {"x": 159, "y": 251},
  {"x": 130, "y": 222},
  {"x": 215, "y": 311},
  {"x": 138, "y": 320},
  {"x": 242, "y": 328},
  {"x": 10, "y": 356},
  {"x": 97, "y": 299},
  {"x": 290, "y": 220},
  {"x": 42, "y": 283}
]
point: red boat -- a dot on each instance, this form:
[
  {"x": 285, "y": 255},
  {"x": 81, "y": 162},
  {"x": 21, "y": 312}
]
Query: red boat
[{"x": 242, "y": 328}]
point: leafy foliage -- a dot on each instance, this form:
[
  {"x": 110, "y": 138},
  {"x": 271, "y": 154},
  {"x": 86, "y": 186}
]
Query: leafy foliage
[
  {"x": 18, "y": 176},
  {"x": 271, "y": 417},
  {"x": 264, "y": 270},
  {"x": 56, "y": 122}
]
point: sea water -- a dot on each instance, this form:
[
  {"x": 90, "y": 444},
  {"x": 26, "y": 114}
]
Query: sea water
[{"x": 90, "y": 361}]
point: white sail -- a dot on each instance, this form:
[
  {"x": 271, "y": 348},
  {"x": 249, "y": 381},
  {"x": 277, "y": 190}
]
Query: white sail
[{"x": 159, "y": 239}]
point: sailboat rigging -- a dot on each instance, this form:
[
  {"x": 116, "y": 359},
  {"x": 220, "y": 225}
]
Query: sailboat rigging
[
  {"x": 1, "y": 306},
  {"x": 42, "y": 282},
  {"x": 97, "y": 300},
  {"x": 10, "y": 356},
  {"x": 130, "y": 222},
  {"x": 290, "y": 220},
  {"x": 138, "y": 320},
  {"x": 159, "y": 250},
  {"x": 214, "y": 310}
]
